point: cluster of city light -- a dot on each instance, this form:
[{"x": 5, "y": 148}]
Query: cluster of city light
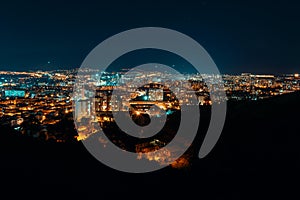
[
  {"x": 48, "y": 96},
  {"x": 42, "y": 93}
]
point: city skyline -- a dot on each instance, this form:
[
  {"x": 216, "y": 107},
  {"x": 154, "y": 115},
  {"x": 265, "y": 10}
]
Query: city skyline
[
  {"x": 47, "y": 67},
  {"x": 46, "y": 105},
  {"x": 33, "y": 70}
]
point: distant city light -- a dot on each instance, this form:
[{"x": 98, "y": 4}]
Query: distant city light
[
  {"x": 46, "y": 95},
  {"x": 145, "y": 98}
]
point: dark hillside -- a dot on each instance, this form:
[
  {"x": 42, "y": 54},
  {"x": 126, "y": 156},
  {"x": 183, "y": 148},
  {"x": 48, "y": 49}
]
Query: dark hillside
[{"x": 258, "y": 154}]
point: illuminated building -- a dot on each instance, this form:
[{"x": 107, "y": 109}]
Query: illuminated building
[
  {"x": 14, "y": 93},
  {"x": 156, "y": 94}
]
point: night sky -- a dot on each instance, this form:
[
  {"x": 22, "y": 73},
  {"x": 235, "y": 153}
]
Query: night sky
[{"x": 241, "y": 36}]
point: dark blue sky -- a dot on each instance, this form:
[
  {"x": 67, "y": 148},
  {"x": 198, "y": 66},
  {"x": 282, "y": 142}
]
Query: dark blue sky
[{"x": 241, "y": 36}]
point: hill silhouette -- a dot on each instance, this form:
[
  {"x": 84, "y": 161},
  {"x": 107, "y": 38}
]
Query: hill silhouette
[{"x": 257, "y": 155}]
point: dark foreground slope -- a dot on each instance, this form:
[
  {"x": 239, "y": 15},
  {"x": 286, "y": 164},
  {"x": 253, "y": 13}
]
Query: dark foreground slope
[{"x": 257, "y": 155}]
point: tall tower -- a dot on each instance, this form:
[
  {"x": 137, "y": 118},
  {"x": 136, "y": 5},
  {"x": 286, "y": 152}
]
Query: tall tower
[{"x": 83, "y": 106}]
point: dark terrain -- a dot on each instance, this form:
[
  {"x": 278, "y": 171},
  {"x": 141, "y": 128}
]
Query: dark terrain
[{"x": 257, "y": 156}]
